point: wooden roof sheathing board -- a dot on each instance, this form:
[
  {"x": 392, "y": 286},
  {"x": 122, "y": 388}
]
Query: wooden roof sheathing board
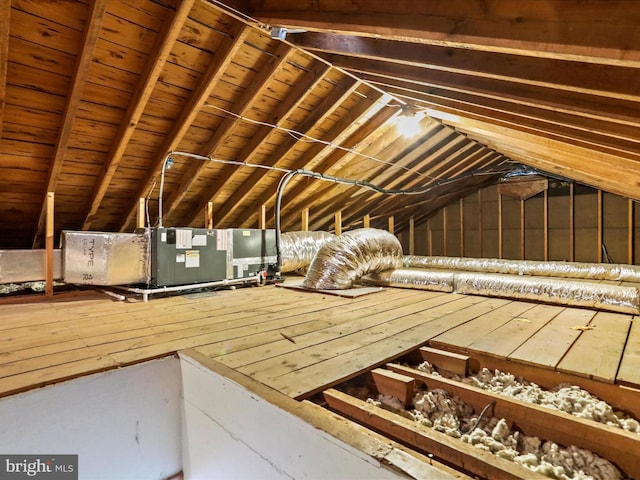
[{"x": 95, "y": 94}]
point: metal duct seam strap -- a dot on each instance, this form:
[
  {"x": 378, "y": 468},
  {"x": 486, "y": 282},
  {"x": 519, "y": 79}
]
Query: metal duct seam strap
[{"x": 341, "y": 262}]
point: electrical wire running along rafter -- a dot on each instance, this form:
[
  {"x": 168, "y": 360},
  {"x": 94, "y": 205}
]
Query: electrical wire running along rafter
[
  {"x": 302, "y": 137},
  {"x": 289, "y": 174},
  {"x": 318, "y": 175}
]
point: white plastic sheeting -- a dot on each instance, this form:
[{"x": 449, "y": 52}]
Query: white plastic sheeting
[{"x": 341, "y": 262}]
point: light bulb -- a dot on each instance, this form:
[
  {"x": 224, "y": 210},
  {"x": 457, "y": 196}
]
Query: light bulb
[{"x": 409, "y": 125}]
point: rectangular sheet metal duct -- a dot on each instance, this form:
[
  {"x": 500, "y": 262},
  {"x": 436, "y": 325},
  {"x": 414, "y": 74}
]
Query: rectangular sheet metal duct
[{"x": 17, "y": 266}]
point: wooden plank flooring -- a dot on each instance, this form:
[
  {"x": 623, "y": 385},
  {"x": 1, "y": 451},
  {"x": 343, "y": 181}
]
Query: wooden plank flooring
[{"x": 299, "y": 342}]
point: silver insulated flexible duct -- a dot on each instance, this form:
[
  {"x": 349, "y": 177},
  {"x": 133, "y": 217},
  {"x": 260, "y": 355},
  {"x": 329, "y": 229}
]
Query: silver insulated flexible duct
[
  {"x": 593, "y": 271},
  {"x": 299, "y": 248},
  {"x": 341, "y": 262}
]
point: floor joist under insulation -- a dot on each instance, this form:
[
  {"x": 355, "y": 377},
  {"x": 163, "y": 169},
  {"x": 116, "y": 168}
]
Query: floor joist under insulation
[{"x": 301, "y": 342}]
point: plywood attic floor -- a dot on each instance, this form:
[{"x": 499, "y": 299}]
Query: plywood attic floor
[{"x": 301, "y": 342}]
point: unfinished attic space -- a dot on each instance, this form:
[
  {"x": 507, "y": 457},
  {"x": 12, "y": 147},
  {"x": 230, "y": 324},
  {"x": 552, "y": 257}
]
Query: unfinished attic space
[{"x": 319, "y": 239}]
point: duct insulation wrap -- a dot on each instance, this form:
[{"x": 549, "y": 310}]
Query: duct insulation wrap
[
  {"x": 341, "y": 262},
  {"x": 298, "y": 249},
  {"x": 433, "y": 280},
  {"x": 556, "y": 291},
  {"x": 592, "y": 271},
  {"x": 18, "y": 266},
  {"x": 100, "y": 258}
]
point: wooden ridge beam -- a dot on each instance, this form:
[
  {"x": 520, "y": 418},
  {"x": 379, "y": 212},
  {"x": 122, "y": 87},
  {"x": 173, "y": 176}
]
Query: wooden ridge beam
[
  {"x": 224, "y": 55},
  {"x": 263, "y": 79},
  {"x": 97, "y": 11},
  {"x": 157, "y": 59},
  {"x": 557, "y": 29}
]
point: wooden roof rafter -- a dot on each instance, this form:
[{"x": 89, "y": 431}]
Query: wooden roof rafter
[
  {"x": 241, "y": 107},
  {"x": 454, "y": 166},
  {"x": 334, "y": 136},
  {"x": 621, "y": 111},
  {"x": 94, "y": 25},
  {"x": 368, "y": 121},
  {"x": 434, "y": 138},
  {"x": 408, "y": 159},
  {"x": 563, "y": 75},
  {"x": 597, "y": 133},
  {"x": 380, "y": 130},
  {"x": 589, "y": 167},
  {"x": 438, "y": 201},
  {"x": 155, "y": 64},
  {"x": 221, "y": 59},
  {"x": 307, "y": 83}
]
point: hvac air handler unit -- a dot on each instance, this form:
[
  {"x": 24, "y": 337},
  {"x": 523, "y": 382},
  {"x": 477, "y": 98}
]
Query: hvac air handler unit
[
  {"x": 182, "y": 256},
  {"x": 164, "y": 259}
]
